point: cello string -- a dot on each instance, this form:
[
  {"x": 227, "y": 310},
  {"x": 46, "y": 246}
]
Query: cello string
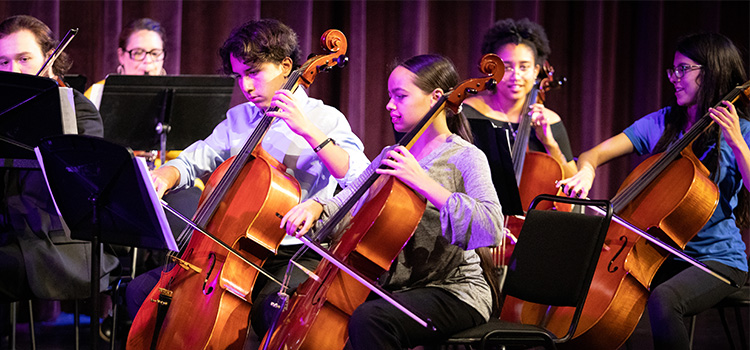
[
  {"x": 218, "y": 241},
  {"x": 208, "y": 207},
  {"x": 521, "y": 140},
  {"x": 245, "y": 153}
]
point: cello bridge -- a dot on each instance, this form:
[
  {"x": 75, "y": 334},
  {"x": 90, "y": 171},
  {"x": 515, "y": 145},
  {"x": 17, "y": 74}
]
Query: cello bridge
[{"x": 186, "y": 265}]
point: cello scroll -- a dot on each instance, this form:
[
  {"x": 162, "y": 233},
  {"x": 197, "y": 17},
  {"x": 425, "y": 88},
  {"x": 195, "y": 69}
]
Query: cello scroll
[
  {"x": 335, "y": 42},
  {"x": 490, "y": 64},
  {"x": 548, "y": 82}
]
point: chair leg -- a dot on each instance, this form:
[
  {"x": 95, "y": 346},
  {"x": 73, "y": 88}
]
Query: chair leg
[
  {"x": 13, "y": 310},
  {"x": 113, "y": 335},
  {"x": 31, "y": 326},
  {"x": 77, "y": 323},
  {"x": 741, "y": 328},
  {"x": 725, "y": 324}
]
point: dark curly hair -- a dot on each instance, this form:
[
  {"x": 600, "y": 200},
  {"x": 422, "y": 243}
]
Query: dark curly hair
[
  {"x": 510, "y": 31},
  {"x": 43, "y": 36},
  {"x": 260, "y": 41}
]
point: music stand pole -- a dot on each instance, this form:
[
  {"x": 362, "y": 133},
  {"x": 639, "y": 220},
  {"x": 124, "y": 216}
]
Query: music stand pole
[
  {"x": 163, "y": 127},
  {"x": 95, "y": 272}
]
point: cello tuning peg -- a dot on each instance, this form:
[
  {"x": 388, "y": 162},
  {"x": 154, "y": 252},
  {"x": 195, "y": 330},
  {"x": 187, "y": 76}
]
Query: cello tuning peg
[
  {"x": 342, "y": 61},
  {"x": 490, "y": 84},
  {"x": 324, "y": 67},
  {"x": 471, "y": 91}
]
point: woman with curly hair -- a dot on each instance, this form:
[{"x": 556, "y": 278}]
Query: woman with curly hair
[{"x": 523, "y": 47}]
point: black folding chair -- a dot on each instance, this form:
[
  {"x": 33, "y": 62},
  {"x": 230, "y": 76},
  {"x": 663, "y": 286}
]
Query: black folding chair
[{"x": 553, "y": 263}]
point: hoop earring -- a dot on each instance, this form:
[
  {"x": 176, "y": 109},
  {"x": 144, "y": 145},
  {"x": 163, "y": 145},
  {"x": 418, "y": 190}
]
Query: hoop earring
[{"x": 120, "y": 69}]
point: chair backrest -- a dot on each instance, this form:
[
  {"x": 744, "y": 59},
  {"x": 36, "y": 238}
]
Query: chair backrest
[{"x": 554, "y": 259}]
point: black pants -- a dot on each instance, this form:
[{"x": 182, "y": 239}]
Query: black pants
[
  {"x": 13, "y": 272},
  {"x": 265, "y": 292},
  {"x": 378, "y": 325},
  {"x": 680, "y": 289}
]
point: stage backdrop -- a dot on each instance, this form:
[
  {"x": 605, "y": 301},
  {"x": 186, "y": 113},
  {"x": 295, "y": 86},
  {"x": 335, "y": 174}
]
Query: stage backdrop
[{"x": 613, "y": 53}]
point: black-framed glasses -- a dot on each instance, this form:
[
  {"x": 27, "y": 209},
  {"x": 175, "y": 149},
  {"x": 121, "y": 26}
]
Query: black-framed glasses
[
  {"x": 140, "y": 54},
  {"x": 679, "y": 71},
  {"x": 522, "y": 69}
]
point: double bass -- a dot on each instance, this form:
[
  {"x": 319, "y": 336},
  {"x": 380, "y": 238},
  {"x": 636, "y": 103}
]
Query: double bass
[
  {"x": 318, "y": 313},
  {"x": 203, "y": 300},
  {"x": 670, "y": 197}
]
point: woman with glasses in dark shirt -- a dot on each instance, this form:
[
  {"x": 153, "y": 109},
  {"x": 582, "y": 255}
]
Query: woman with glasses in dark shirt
[
  {"x": 706, "y": 67},
  {"x": 523, "y": 46},
  {"x": 140, "y": 51}
]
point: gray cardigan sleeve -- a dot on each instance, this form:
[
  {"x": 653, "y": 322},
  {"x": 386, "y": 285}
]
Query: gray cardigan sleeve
[{"x": 472, "y": 218}]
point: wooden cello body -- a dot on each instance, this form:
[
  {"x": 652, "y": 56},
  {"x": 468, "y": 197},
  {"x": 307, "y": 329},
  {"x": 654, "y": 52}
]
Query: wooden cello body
[
  {"x": 203, "y": 301},
  {"x": 539, "y": 173},
  {"x": 674, "y": 208},
  {"x": 317, "y": 315},
  {"x": 214, "y": 289}
]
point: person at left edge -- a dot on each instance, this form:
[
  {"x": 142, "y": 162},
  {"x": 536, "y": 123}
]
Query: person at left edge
[
  {"x": 37, "y": 258},
  {"x": 261, "y": 54}
]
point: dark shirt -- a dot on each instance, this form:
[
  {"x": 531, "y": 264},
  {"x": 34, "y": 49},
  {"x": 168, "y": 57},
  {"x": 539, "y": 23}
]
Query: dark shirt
[{"x": 56, "y": 266}]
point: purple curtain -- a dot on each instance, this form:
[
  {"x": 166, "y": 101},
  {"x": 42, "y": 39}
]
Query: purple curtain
[{"x": 613, "y": 52}]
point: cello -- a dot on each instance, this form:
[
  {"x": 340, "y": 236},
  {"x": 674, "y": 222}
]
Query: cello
[
  {"x": 317, "y": 315},
  {"x": 203, "y": 299},
  {"x": 535, "y": 172},
  {"x": 686, "y": 198}
]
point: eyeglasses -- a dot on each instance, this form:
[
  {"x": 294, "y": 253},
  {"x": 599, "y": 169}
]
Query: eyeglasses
[
  {"x": 140, "y": 54},
  {"x": 679, "y": 71},
  {"x": 522, "y": 69}
]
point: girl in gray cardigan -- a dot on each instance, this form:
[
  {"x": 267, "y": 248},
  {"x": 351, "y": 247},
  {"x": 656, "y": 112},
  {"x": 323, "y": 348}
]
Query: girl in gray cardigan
[{"x": 438, "y": 272}]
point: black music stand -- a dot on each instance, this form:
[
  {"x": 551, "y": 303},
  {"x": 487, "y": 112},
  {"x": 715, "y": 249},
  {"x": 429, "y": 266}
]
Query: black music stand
[
  {"x": 76, "y": 81},
  {"x": 29, "y": 110},
  {"x": 495, "y": 143},
  {"x": 139, "y": 111},
  {"x": 104, "y": 195}
]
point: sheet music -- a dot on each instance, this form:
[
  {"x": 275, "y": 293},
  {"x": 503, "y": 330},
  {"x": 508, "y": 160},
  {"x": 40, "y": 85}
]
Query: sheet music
[
  {"x": 140, "y": 164},
  {"x": 95, "y": 96},
  {"x": 57, "y": 209},
  {"x": 67, "y": 107}
]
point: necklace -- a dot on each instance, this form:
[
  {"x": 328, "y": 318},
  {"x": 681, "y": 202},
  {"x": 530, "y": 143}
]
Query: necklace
[{"x": 512, "y": 130}]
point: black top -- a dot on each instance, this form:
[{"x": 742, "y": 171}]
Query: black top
[{"x": 558, "y": 131}]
